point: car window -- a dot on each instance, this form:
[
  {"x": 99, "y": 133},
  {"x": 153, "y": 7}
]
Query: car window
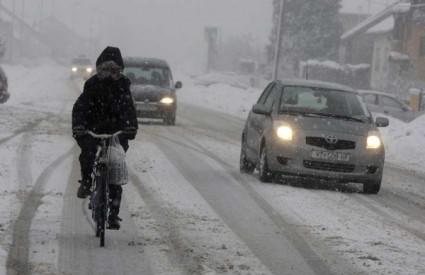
[
  {"x": 81, "y": 61},
  {"x": 391, "y": 103},
  {"x": 265, "y": 94},
  {"x": 155, "y": 76},
  {"x": 322, "y": 101},
  {"x": 370, "y": 99}
]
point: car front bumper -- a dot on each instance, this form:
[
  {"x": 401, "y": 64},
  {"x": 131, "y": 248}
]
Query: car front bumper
[
  {"x": 154, "y": 110},
  {"x": 296, "y": 160}
]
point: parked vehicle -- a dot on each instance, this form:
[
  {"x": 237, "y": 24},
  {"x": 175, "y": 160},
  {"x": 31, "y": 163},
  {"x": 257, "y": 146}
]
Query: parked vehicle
[
  {"x": 4, "y": 94},
  {"x": 383, "y": 103},
  {"x": 312, "y": 129},
  {"x": 81, "y": 66},
  {"x": 153, "y": 88}
]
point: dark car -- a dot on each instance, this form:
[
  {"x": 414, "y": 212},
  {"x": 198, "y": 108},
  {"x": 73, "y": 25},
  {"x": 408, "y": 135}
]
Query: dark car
[
  {"x": 153, "y": 88},
  {"x": 4, "y": 94},
  {"x": 81, "y": 66},
  {"x": 316, "y": 130}
]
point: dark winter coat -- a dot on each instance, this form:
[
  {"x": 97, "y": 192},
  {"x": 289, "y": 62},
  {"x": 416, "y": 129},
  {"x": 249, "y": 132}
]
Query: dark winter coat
[{"x": 105, "y": 106}]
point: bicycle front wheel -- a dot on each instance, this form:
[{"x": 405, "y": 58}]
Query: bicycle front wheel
[{"x": 103, "y": 206}]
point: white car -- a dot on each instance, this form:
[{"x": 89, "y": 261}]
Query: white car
[{"x": 379, "y": 102}]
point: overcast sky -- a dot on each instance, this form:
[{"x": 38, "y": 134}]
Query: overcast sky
[{"x": 172, "y": 29}]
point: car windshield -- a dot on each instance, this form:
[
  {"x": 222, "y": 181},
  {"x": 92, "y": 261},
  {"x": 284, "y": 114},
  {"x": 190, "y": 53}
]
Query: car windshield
[
  {"x": 81, "y": 61},
  {"x": 155, "y": 76},
  {"x": 323, "y": 102}
]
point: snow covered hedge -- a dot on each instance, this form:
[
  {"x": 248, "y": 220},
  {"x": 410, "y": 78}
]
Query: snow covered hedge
[{"x": 356, "y": 76}]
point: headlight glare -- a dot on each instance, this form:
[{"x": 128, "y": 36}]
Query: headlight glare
[
  {"x": 284, "y": 133},
  {"x": 89, "y": 70},
  {"x": 74, "y": 69},
  {"x": 167, "y": 100},
  {"x": 373, "y": 142}
]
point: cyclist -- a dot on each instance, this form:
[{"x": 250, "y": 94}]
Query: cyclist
[{"x": 105, "y": 107}]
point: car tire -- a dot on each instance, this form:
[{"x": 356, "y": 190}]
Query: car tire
[
  {"x": 264, "y": 174},
  {"x": 372, "y": 187},
  {"x": 245, "y": 166}
]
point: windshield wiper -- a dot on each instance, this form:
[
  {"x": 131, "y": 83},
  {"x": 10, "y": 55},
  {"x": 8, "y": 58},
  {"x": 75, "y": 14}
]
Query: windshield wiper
[{"x": 335, "y": 116}]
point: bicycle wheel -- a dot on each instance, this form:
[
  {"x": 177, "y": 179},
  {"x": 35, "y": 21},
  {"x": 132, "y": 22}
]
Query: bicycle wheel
[{"x": 103, "y": 204}]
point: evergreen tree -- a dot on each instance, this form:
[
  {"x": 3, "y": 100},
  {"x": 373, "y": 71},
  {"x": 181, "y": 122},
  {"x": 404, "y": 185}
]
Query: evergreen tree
[{"x": 312, "y": 30}]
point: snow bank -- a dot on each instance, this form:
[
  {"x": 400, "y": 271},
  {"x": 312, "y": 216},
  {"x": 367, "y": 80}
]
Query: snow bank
[
  {"x": 403, "y": 143},
  {"x": 219, "y": 96}
]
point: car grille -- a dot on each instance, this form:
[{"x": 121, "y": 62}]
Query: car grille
[
  {"x": 151, "y": 98},
  {"x": 327, "y": 166},
  {"x": 322, "y": 143}
]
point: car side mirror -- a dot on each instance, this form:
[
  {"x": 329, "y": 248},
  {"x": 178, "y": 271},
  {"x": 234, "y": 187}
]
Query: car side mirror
[
  {"x": 406, "y": 109},
  {"x": 178, "y": 85},
  {"x": 382, "y": 122},
  {"x": 260, "y": 109}
]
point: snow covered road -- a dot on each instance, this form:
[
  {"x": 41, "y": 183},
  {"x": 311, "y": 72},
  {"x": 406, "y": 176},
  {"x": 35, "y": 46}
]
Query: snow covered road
[{"x": 188, "y": 210}]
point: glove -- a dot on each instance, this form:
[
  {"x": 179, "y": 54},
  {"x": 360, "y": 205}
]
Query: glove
[
  {"x": 130, "y": 133},
  {"x": 78, "y": 131}
]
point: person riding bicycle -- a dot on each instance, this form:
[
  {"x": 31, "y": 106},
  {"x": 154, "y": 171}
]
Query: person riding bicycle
[{"x": 105, "y": 107}]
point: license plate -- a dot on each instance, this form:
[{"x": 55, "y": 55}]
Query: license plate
[
  {"x": 333, "y": 156},
  {"x": 147, "y": 107}
]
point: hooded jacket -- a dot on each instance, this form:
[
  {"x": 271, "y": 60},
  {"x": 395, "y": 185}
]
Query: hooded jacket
[{"x": 106, "y": 105}]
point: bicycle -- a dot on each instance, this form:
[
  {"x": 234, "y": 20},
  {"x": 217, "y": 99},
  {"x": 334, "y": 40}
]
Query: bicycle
[{"x": 99, "y": 198}]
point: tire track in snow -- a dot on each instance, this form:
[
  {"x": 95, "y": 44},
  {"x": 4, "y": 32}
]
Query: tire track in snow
[
  {"x": 312, "y": 259},
  {"x": 79, "y": 251},
  {"x": 28, "y": 127},
  {"x": 367, "y": 204},
  {"x": 180, "y": 260},
  {"x": 17, "y": 260},
  {"x": 23, "y": 162}
]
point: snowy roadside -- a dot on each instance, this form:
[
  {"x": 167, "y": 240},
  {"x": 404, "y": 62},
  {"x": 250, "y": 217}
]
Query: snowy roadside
[
  {"x": 34, "y": 135},
  {"x": 402, "y": 140}
]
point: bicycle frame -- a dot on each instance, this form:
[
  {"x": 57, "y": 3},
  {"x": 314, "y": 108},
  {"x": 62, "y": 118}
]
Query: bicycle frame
[{"x": 99, "y": 199}]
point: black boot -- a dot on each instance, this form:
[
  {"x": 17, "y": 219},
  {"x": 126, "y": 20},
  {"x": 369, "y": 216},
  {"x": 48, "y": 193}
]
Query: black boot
[
  {"x": 85, "y": 189},
  {"x": 115, "y": 193},
  {"x": 114, "y": 221}
]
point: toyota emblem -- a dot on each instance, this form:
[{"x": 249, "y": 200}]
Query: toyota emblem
[{"x": 331, "y": 139}]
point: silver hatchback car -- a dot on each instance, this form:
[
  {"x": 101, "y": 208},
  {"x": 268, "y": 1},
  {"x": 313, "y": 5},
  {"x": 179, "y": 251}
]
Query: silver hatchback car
[{"x": 313, "y": 129}]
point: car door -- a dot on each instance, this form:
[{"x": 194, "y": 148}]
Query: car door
[
  {"x": 393, "y": 108},
  {"x": 253, "y": 124},
  {"x": 264, "y": 122}
]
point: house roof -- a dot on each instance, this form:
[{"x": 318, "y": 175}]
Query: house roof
[
  {"x": 385, "y": 26},
  {"x": 370, "y": 22}
]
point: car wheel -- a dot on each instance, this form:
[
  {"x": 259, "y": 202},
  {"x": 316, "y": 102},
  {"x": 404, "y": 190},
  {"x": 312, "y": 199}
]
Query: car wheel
[
  {"x": 245, "y": 166},
  {"x": 264, "y": 174},
  {"x": 372, "y": 187}
]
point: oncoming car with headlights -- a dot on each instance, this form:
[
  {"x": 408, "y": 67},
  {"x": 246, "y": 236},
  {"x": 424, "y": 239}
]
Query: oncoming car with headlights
[
  {"x": 81, "y": 66},
  {"x": 153, "y": 88},
  {"x": 316, "y": 130}
]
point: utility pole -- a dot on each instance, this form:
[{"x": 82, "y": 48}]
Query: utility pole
[
  {"x": 368, "y": 11},
  {"x": 21, "y": 48},
  {"x": 279, "y": 41}
]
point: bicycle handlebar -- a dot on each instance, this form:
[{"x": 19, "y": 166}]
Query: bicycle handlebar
[{"x": 103, "y": 136}]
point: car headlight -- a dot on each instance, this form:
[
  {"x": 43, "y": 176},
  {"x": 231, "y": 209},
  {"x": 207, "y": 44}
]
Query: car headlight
[
  {"x": 283, "y": 131},
  {"x": 89, "y": 70},
  {"x": 74, "y": 69},
  {"x": 167, "y": 100},
  {"x": 373, "y": 141}
]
